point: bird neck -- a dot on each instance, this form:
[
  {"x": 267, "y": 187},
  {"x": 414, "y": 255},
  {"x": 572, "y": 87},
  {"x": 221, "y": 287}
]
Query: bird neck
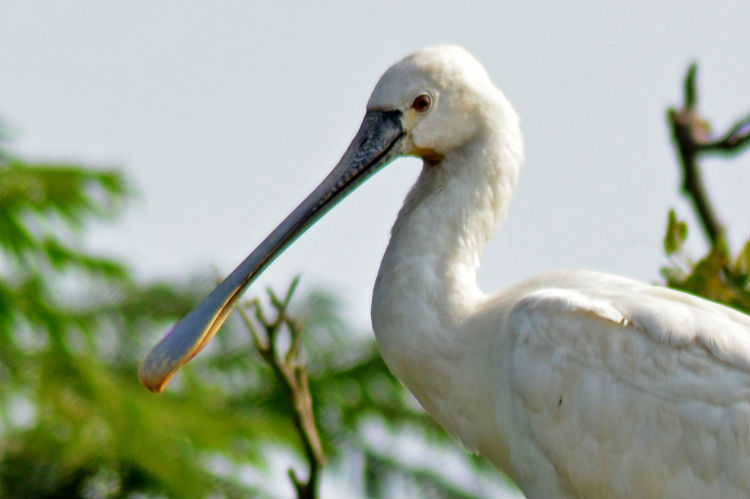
[{"x": 426, "y": 285}]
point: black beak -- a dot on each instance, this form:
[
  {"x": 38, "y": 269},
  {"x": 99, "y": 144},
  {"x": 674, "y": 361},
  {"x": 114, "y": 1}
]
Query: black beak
[{"x": 377, "y": 142}]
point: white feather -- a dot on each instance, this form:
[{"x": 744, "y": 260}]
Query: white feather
[{"x": 576, "y": 384}]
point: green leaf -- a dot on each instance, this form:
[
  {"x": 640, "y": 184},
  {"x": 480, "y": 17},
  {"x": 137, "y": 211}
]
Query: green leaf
[
  {"x": 742, "y": 262},
  {"x": 675, "y": 235},
  {"x": 690, "y": 92}
]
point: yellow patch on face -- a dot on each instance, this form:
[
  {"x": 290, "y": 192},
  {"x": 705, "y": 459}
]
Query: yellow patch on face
[{"x": 429, "y": 155}]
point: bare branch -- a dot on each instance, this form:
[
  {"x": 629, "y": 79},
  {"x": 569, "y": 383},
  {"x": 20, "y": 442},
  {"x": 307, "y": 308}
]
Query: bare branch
[
  {"x": 292, "y": 374},
  {"x": 690, "y": 132},
  {"x": 692, "y": 180},
  {"x": 259, "y": 343},
  {"x": 733, "y": 141}
]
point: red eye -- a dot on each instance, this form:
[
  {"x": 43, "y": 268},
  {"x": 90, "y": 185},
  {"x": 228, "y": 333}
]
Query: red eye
[{"x": 421, "y": 103}]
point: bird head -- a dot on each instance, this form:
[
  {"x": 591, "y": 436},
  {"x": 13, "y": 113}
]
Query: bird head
[
  {"x": 429, "y": 104},
  {"x": 445, "y": 98}
]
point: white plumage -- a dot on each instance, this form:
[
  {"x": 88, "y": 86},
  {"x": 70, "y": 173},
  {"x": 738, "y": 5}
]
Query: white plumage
[{"x": 576, "y": 383}]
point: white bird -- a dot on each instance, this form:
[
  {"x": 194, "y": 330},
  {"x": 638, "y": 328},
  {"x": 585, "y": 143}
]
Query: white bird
[{"x": 576, "y": 383}]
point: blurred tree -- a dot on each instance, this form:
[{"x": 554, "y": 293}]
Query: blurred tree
[{"x": 74, "y": 422}]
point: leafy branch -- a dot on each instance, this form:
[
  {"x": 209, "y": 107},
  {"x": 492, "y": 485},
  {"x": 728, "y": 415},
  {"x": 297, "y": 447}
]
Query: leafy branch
[
  {"x": 714, "y": 276},
  {"x": 292, "y": 373}
]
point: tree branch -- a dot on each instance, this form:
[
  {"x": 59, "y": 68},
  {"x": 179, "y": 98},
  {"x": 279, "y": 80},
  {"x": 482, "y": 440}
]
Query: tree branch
[
  {"x": 690, "y": 133},
  {"x": 732, "y": 141},
  {"x": 292, "y": 374}
]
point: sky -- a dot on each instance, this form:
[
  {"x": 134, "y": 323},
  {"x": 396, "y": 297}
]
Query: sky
[{"x": 224, "y": 115}]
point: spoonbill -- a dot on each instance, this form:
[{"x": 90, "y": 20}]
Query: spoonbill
[{"x": 575, "y": 383}]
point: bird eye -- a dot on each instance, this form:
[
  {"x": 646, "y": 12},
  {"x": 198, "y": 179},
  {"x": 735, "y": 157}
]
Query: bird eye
[{"x": 422, "y": 103}]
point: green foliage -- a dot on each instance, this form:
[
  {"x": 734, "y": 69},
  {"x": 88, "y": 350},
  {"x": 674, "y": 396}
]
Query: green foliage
[
  {"x": 74, "y": 422},
  {"x": 716, "y": 276},
  {"x": 689, "y": 91},
  {"x": 675, "y": 235}
]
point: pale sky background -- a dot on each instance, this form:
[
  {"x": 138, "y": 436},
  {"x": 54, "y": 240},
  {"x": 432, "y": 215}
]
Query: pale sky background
[{"x": 226, "y": 114}]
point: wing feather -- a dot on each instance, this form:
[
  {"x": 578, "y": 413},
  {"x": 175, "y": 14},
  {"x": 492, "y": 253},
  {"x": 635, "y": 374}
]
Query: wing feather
[{"x": 628, "y": 389}]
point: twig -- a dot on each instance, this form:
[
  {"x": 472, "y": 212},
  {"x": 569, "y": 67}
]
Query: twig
[
  {"x": 690, "y": 133},
  {"x": 732, "y": 141},
  {"x": 293, "y": 376}
]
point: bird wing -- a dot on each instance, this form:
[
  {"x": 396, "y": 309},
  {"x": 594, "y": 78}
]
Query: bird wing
[{"x": 627, "y": 389}]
